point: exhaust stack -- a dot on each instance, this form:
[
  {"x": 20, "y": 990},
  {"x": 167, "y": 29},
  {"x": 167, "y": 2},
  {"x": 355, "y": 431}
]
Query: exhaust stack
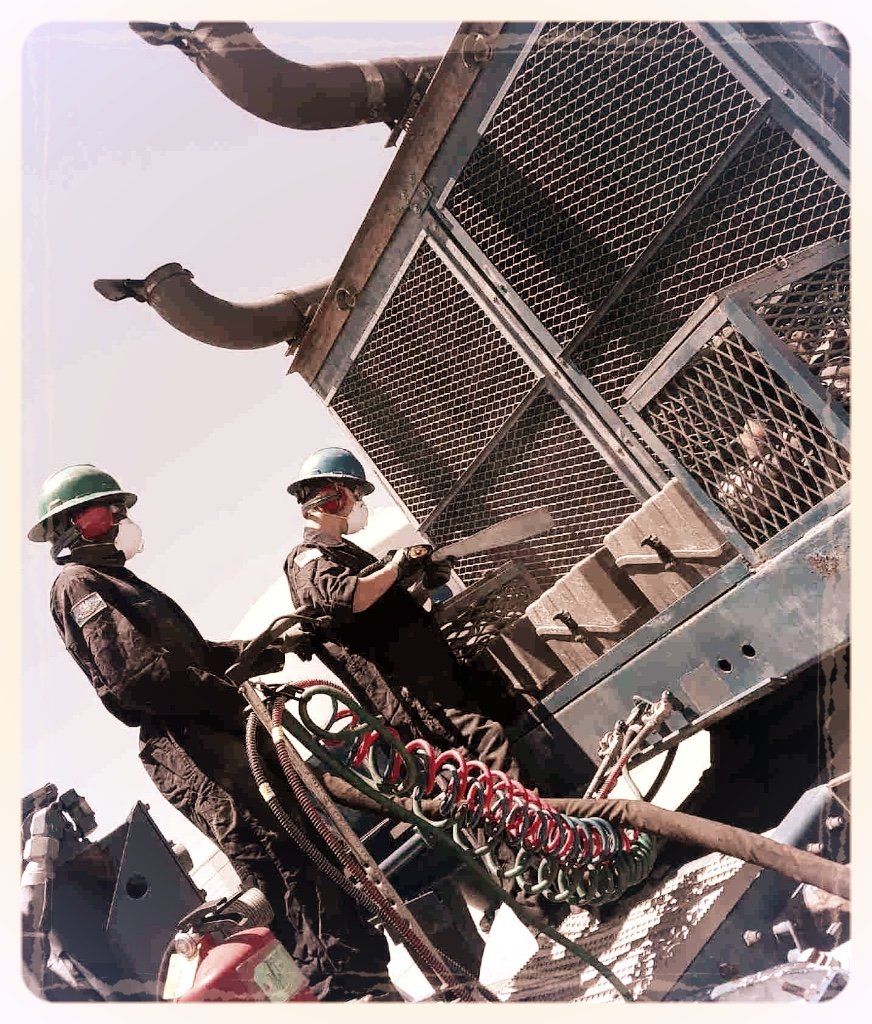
[
  {"x": 308, "y": 97},
  {"x": 171, "y": 292}
]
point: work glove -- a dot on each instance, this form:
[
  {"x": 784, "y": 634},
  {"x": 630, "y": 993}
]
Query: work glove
[
  {"x": 271, "y": 659},
  {"x": 437, "y": 573},
  {"x": 410, "y": 563}
]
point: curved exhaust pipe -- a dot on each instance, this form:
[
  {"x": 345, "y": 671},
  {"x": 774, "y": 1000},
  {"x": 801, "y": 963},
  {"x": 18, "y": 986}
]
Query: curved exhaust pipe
[
  {"x": 171, "y": 292},
  {"x": 309, "y": 97}
]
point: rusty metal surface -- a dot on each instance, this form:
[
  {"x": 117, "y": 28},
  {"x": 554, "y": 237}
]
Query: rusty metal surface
[
  {"x": 652, "y": 937},
  {"x": 451, "y": 83},
  {"x": 673, "y": 519}
]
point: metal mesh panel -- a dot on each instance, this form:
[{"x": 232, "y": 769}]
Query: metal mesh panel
[
  {"x": 543, "y": 460},
  {"x": 605, "y": 131},
  {"x": 737, "y": 428},
  {"x": 640, "y": 940},
  {"x": 812, "y": 317},
  {"x": 431, "y": 386},
  {"x": 772, "y": 201},
  {"x": 471, "y": 629}
]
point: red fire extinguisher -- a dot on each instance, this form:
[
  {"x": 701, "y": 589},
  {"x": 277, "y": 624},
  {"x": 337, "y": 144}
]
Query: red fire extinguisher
[{"x": 213, "y": 959}]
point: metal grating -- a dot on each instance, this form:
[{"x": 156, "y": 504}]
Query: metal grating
[
  {"x": 641, "y": 940},
  {"x": 543, "y": 460},
  {"x": 605, "y": 131},
  {"x": 772, "y": 201},
  {"x": 812, "y": 317},
  {"x": 471, "y": 621},
  {"x": 431, "y": 386},
  {"x": 745, "y": 438}
]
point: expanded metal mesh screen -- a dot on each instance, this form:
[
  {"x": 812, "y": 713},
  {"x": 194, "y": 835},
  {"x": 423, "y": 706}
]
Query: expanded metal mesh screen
[
  {"x": 771, "y": 202},
  {"x": 748, "y": 442},
  {"x": 812, "y": 317},
  {"x": 431, "y": 386},
  {"x": 603, "y": 134},
  {"x": 543, "y": 460}
]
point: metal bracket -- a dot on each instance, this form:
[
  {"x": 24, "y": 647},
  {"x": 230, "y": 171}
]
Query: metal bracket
[
  {"x": 666, "y": 557},
  {"x": 476, "y": 49},
  {"x": 578, "y": 633},
  {"x": 419, "y": 87},
  {"x": 421, "y": 199}
]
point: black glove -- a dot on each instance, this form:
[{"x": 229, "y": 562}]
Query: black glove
[
  {"x": 300, "y": 644},
  {"x": 271, "y": 659},
  {"x": 437, "y": 574},
  {"x": 410, "y": 563}
]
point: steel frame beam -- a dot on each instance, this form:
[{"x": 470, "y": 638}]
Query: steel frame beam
[
  {"x": 792, "y": 112},
  {"x": 796, "y": 632}
]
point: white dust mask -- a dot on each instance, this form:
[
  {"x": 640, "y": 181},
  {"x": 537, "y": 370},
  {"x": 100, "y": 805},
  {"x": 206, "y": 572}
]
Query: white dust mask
[
  {"x": 128, "y": 540},
  {"x": 358, "y": 517}
]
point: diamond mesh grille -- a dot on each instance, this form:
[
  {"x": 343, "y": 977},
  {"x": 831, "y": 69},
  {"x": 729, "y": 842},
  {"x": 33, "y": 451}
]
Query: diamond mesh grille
[
  {"x": 543, "y": 460},
  {"x": 737, "y": 428},
  {"x": 604, "y": 132},
  {"x": 812, "y": 317},
  {"x": 431, "y": 386},
  {"x": 772, "y": 201}
]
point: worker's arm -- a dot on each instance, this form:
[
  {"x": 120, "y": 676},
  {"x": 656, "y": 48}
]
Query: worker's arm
[
  {"x": 370, "y": 588},
  {"x": 124, "y": 663},
  {"x": 320, "y": 586}
]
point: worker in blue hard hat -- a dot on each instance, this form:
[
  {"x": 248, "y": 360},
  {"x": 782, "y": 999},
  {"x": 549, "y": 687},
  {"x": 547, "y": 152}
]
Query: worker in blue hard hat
[
  {"x": 381, "y": 643},
  {"x": 386, "y": 648},
  {"x": 154, "y": 671}
]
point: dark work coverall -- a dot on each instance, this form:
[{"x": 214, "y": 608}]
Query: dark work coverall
[
  {"x": 394, "y": 659},
  {"x": 392, "y": 656},
  {"x": 151, "y": 668}
]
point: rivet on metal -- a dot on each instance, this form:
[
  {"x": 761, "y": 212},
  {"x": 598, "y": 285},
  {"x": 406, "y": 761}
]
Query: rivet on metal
[{"x": 345, "y": 298}]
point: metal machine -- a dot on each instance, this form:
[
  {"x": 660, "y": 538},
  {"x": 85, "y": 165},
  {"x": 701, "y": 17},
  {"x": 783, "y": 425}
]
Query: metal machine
[{"x": 608, "y": 273}]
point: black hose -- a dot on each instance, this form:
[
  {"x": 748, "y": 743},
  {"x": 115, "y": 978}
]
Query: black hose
[
  {"x": 366, "y": 895},
  {"x": 346, "y": 857},
  {"x": 654, "y": 788}
]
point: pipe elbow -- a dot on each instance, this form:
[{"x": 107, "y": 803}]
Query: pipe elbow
[
  {"x": 305, "y": 97},
  {"x": 170, "y": 290}
]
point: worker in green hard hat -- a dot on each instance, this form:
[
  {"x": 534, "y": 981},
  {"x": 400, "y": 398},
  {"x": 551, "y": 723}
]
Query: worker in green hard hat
[{"x": 153, "y": 670}]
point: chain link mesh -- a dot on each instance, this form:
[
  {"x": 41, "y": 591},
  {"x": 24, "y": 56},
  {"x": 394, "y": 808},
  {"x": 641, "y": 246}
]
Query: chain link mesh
[
  {"x": 431, "y": 386},
  {"x": 748, "y": 442},
  {"x": 812, "y": 317},
  {"x": 771, "y": 202},
  {"x": 605, "y": 131},
  {"x": 543, "y": 460}
]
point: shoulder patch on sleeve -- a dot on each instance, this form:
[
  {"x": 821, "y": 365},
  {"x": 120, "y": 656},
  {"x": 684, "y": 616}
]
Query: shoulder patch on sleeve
[
  {"x": 87, "y": 608},
  {"x": 309, "y": 555}
]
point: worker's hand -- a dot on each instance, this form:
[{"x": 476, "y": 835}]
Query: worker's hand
[
  {"x": 271, "y": 659},
  {"x": 410, "y": 563},
  {"x": 437, "y": 574}
]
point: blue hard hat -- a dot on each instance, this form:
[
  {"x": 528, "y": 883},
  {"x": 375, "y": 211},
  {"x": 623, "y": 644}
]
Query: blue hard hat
[{"x": 331, "y": 464}]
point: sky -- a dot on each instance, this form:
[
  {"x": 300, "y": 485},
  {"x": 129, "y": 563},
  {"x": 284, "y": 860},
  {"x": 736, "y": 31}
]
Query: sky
[{"x": 131, "y": 160}]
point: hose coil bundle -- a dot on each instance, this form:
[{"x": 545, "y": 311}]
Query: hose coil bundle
[{"x": 509, "y": 828}]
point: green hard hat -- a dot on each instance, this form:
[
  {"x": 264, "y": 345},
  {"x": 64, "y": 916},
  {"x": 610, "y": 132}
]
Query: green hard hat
[
  {"x": 68, "y": 489},
  {"x": 331, "y": 464}
]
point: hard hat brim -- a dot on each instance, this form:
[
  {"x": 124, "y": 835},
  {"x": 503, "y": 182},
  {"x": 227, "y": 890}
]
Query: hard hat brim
[
  {"x": 365, "y": 485},
  {"x": 40, "y": 532}
]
